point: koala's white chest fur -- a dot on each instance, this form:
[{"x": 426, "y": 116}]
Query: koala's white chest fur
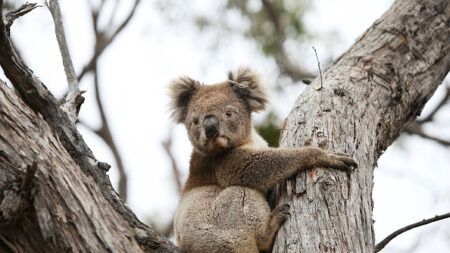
[
  {"x": 224, "y": 216},
  {"x": 231, "y": 217}
]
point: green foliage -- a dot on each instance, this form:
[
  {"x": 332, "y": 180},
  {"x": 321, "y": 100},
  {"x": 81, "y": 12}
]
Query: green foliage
[
  {"x": 272, "y": 22},
  {"x": 269, "y": 129}
]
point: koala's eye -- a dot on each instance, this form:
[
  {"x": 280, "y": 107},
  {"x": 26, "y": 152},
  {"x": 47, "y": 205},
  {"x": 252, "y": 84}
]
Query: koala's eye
[
  {"x": 228, "y": 114},
  {"x": 195, "y": 121}
]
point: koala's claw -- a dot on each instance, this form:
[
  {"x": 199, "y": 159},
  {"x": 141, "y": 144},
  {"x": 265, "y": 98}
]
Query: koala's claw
[
  {"x": 342, "y": 161},
  {"x": 282, "y": 211},
  {"x": 286, "y": 214}
]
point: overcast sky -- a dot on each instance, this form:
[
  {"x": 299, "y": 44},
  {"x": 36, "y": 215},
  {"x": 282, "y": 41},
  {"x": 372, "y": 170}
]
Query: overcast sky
[{"x": 411, "y": 183}]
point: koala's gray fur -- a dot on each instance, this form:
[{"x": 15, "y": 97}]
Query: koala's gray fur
[{"x": 222, "y": 207}]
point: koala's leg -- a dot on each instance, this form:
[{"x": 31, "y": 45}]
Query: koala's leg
[{"x": 277, "y": 217}]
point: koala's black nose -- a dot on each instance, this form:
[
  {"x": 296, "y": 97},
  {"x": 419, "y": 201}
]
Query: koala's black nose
[{"x": 211, "y": 125}]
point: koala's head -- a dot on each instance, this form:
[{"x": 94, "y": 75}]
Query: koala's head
[{"x": 217, "y": 117}]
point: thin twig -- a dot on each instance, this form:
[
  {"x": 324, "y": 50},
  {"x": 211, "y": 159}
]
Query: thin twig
[
  {"x": 167, "y": 144},
  {"x": 105, "y": 133},
  {"x": 320, "y": 70},
  {"x": 416, "y": 128},
  {"x": 103, "y": 41},
  {"x": 439, "y": 106},
  {"x": 13, "y": 15},
  {"x": 69, "y": 106},
  {"x": 167, "y": 231},
  {"x": 383, "y": 243},
  {"x": 113, "y": 13}
]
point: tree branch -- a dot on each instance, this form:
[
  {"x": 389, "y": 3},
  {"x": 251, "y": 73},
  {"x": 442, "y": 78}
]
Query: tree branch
[
  {"x": 167, "y": 144},
  {"x": 285, "y": 64},
  {"x": 72, "y": 101},
  {"x": 320, "y": 70},
  {"x": 167, "y": 231},
  {"x": 113, "y": 13},
  {"x": 105, "y": 133},
  {"x": 13, "y": 15},
  {"x": 439, "y": 106},
  {"x": 385, "y": 241},
  {"x": 103, "y": 41},
  {"x": 416, "y": 128}
]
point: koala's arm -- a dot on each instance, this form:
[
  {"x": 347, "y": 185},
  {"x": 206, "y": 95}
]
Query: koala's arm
[{"x": 262, "y": 169}]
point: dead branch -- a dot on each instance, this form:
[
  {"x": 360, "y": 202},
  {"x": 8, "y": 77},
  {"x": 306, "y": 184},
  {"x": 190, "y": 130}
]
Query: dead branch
[
  {"x": 13, "y": 15},
  {"x": 70, "y": 105},
  {"x": 320, "y": 70},
  {"x": 385, "y": 241}
]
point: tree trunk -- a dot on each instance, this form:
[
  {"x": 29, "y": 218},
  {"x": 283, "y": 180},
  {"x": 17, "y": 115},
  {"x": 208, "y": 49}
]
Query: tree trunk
[{"x": 369, "y": 95}]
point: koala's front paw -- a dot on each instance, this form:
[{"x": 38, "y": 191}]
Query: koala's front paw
[
  {"x": 340, "y": 161},
  {"x": 281, "y": 213}
]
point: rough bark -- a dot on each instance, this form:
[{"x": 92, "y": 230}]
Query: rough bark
[
  {"x": 369, "y": 96},
  {"x": 65, "y": 208},
  {"x": 54, "y": 195}
]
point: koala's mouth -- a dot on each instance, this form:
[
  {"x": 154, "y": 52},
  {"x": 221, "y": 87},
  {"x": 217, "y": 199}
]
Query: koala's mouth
[
  {"x": 217, "y": 142},
  {"x": 221, "y": 141}
]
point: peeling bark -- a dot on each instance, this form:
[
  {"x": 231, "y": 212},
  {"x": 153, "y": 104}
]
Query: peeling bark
[{"x": 370, "y": 94}]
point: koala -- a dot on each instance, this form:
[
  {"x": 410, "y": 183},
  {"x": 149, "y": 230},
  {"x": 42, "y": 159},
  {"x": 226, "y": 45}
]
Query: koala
[{"x": 223, "y": 206}]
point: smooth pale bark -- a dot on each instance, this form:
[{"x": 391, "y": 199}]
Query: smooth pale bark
[{"x": 369, "y": 96}]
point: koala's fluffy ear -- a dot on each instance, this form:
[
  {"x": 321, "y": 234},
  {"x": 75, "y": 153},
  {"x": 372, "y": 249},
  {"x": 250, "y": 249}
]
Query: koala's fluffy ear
[
  {"x": 181, "y": 92},
  {"x": 246, "y": 84}
]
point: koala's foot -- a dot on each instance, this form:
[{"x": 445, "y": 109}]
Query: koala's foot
[
  {"x": 338, "y": 160},
  {"x": 279, "y": 215}
]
